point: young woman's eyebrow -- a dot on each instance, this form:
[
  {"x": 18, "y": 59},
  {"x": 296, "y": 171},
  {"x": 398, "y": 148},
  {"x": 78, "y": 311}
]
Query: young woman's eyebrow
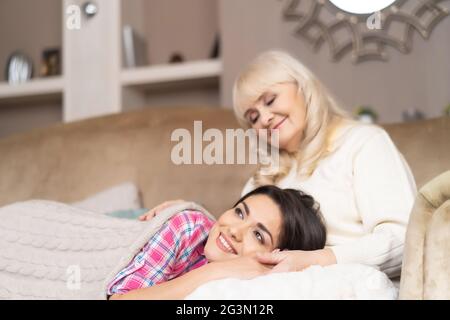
[
  {"x": 247, "y": 211},
  {"x": 259, "y": 224}
]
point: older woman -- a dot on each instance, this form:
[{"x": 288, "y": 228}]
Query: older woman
[{"x": 363, "y": 184}]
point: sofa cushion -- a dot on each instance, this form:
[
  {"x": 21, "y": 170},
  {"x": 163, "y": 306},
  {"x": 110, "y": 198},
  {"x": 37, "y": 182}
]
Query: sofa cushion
[{"x": 124, "y": 196}]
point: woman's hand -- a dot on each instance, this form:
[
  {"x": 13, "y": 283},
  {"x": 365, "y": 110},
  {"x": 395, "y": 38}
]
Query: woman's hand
[
  {"x": 297, "y": 260},
  {"x": 179, "y": 288},
  {"x": 244, "y": 268},
  {"x": 153, "y": 212}
]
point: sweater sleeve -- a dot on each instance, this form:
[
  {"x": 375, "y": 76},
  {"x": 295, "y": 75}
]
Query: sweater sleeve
[{"x": 384, "y": 190}]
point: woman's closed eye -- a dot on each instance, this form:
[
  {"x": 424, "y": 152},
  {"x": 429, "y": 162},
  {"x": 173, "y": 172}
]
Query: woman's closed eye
[
  {"x": 271, "y": 100},
  {"x": 253, "y": 117}
]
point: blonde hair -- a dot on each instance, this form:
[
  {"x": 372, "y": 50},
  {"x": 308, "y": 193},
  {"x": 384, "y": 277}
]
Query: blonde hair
[{"x": 322, "y": 110}]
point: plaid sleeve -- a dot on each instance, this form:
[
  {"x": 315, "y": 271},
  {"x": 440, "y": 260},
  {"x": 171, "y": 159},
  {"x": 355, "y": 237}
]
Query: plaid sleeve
[
  {"x": 193, "y": 232},
  {"x": 169, "y": 253}
]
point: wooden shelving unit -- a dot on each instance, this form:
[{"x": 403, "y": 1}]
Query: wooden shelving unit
[
  {"x": 94, "y": 81},
  {"x": 154, "y": 76},
  {"x": 44, "y": 88}
]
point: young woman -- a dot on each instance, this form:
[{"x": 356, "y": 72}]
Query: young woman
[
  {"x": 362, "y": 182},
  {"x": 190, "y": 249}
]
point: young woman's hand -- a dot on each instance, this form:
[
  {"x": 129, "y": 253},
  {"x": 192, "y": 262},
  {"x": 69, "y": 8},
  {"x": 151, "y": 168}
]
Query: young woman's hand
[
  {"x": 241, "y": 268},
  {"x": 296, "y": 260},
  {"x": 153, "y": 212}
]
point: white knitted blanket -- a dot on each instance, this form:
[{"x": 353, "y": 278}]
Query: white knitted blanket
[{"x": 50, "y": 250}]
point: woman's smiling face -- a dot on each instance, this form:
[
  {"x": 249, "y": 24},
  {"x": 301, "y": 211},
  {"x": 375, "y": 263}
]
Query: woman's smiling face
[
  {"x": 281, "y": 108},
  {"x": 252, "y": 226}
]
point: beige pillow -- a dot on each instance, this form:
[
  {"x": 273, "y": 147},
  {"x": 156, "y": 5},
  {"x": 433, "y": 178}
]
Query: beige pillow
[{"x": 124, "y": 196}]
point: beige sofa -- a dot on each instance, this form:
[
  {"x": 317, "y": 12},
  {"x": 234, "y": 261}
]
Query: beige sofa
[
  {"x": 426, "y": 259},
  {"x": 69, "y": 162}
]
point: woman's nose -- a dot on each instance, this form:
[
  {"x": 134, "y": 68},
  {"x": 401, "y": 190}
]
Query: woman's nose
[
  {"x": 266, "y": 117},
  {"x": 236, "y": 232}
]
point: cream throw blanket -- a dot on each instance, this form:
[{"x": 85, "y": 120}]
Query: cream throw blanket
[{"x": 49, "y": 250}]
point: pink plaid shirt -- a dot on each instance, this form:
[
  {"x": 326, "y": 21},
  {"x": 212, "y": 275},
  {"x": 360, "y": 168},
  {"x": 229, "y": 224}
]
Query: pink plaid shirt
[{"x": 174, "y": 250}]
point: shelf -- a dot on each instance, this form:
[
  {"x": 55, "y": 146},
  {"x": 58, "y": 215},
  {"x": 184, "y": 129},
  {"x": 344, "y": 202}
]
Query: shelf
[
  {"x": 42, "y": 88},
  {"x": 186, "y": 73}
]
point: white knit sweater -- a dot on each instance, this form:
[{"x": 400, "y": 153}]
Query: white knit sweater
[
  {"x": 50, "y": 250},
  {"x": 366, "y": 192}
]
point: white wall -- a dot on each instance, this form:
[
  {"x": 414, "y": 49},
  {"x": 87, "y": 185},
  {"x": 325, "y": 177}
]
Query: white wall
[
  {"x": 419, "y": 80},
  {"x": 169, "y": 26}
]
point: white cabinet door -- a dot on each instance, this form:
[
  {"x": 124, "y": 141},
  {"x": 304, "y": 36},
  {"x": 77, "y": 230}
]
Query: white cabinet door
[{"x": 91, "y": 59}]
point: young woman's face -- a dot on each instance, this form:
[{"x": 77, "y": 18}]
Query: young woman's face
[
  {"x": 250, "y": 227},
  {"x": 280, "y": 108}
]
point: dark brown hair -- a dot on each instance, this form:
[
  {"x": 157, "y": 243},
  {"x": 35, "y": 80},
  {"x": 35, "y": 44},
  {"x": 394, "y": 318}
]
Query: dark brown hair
[{"x": 302, "y": 226}]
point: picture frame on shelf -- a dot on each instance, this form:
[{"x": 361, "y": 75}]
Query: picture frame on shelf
[
  {"x": 51, "y": 62},
  {"x": 134, "y": 48}
]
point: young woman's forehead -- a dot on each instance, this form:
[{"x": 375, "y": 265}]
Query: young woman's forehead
[{"x": 264, "y": 210}]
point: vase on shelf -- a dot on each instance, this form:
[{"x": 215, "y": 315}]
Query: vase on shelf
[{"x": 366, "y": 114}]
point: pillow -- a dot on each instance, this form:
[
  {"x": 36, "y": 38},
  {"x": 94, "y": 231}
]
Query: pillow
[
  {"x": 124, "y": 196},
  {"x": 127, "y": 214},
  {"x": 339, "y": 281}
]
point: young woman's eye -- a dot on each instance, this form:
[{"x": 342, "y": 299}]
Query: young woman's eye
[
  {"x": 239, "y": 213},
  {"x": 259, "y": 237}
]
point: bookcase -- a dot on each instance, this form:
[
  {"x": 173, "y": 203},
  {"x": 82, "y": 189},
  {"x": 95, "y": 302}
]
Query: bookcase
[{"x": 95, "y": 80}]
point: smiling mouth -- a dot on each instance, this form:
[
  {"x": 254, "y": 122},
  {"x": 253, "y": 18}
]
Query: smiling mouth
[
  {"x": 280, "y": 123},
  {"x": 225, "y": 245}
]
